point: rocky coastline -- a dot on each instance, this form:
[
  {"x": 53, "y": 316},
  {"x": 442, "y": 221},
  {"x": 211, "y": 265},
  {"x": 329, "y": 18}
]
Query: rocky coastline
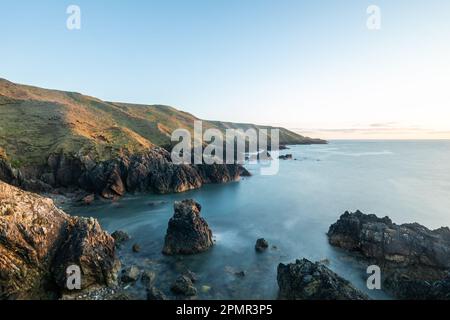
[
  {"x": 152, "y": 171},
  {"x": 414, "y": 260},
  {"x": 38, "y": 242}
]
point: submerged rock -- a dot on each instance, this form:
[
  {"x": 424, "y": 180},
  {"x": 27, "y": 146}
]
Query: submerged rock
[
  {"x": 261, "y": 245},
  {"x": 136, "y": 248},
  {"x": 187, "y": 233},
  {"x": 413, "y": 258},
  {"x": 120, "y": 237},
  {"x": 148, "y": 278},
  {"x": 130, "y": 274},
  {"x": 38, "y": 242},
  {"x": 154, "y": 293},
  {"x": 184, "y": 286},
  {"x": 286, "y": 157},
  {"x": 304, "y": 280}
]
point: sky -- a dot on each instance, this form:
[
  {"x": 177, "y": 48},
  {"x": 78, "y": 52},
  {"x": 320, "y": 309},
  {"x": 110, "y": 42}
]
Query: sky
[{"x": 311, "y": 66}]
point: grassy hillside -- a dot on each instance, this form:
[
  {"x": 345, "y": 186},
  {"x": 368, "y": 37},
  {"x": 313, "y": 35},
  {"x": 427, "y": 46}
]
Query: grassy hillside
[{"x": 36, "y": 122}]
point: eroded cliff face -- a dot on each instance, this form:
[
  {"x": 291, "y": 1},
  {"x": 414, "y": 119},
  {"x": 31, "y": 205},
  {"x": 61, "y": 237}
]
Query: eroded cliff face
[
  {"x": 38, "y": 242},
  {"x": 152, "y": 171}
]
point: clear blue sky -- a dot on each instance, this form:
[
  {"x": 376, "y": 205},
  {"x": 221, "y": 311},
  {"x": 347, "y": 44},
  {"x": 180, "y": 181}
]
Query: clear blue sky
[{"x": 305, "y": 64}]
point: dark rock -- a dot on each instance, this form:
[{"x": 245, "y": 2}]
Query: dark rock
[
  {"x": 261, "y": 245},
  {"x": 191, "y": 275},
  {"x": 183, "y": 286},
  {"x": 152, "y": 171},
  {"x": 148, "y": 278},
  {"x": 413, "y": 258},
  {"x": 384, "y": 241},
  {"x": 286, "y": 157},
  {"x": 187, "y": 232},
  {"x": 155, "y": 294},
  {"x": 38, "y": 242},
  {"x": 120, "y": 237},
  {"x": 136, "y": 248},
  {"x": 304, "y": 280},
  {"x": 240, "y": 274},
  {"x": 130, "y": 274}
]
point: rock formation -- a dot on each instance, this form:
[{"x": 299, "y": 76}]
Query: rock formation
[
  {"x": 38, "y": 242},
  {"x": 184, "y": 286},
  {"x": 304, "y": 280},
  {"x": 261, "y": 245},
  {"x": 152, "y": 171},
  {"x": 410, "y": 255},
  {"x": 187, "y": 233}
]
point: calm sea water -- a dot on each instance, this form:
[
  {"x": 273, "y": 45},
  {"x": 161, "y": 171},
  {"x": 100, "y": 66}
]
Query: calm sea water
[{"x": 408, "y": 181}]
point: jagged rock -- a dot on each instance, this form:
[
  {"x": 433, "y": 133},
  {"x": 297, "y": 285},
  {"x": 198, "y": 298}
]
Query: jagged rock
[
  {"x": 148, "y": 278},
  {"x": 304, "y": 280},
  {"x": 155, "y": 294},
  {"x": 187, "y": 233},
  {"x": 286, "y": 157},
  {"x": 183, "y": 286},
  {"x": 130, "y": 274},
  {"x": 384, "y": 241},
  {"x": 38, "y": 242},
  {"x": 261, "y": 245},
  {"x": 152, "y": 171},
  {"x": 120, "y": 237},
  {"x": 413, "y": 258},
  {"x": 191, "y": 275}
]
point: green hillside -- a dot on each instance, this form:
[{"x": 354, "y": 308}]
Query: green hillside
[{"x": 36, "y": 122}]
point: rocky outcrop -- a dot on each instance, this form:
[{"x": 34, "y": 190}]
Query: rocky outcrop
[
  {"x": 187, "y": 233},
  {"x": 413, "y": 258},
  {"x": 38, "y": 242},
  {"x": 304, "y": 280},
  {"x": 152, "y": 171}
]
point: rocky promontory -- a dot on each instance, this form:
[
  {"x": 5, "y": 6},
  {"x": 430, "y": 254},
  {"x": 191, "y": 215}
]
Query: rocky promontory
[
  {"x": 187, "y": 233},
  {"x": 38, "y": 242},
  {"x": 305, "y": 280},
  {"x": 150, "y": 171},
  {"x": 410, "y": 255}
]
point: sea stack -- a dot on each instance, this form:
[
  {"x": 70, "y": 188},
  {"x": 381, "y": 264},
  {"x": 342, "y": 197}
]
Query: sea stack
[{"x": 187, "y": 233}]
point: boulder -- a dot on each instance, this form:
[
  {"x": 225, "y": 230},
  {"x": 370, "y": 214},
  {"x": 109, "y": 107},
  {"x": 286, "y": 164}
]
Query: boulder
[
  {"x": 261, "y": 245},
  {"x": 130, "y": 274},
  {"x": 136, "y": 248},
  {"x": 154, "y": 293},
  {"x": 304, "y": 280},
  {"x": 38, "y": 242},
  {"x": 120, "y": 237},
  {"x": 187, "y": 233},
  {"x": 148, "y": 278},
  {"x": 183, "y": 286}
]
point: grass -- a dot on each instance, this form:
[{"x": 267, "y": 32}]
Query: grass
[{"x": 35, "y": 123}]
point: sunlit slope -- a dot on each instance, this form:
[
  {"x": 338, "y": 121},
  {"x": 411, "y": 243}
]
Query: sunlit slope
[{"x": 36, "y": 122}]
